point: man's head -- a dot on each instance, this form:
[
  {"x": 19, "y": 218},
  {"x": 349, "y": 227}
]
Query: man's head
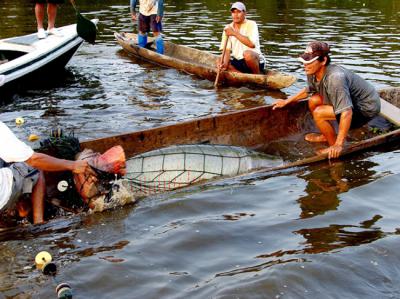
[
  {"x": 239, "y": 6},
  {"x": 315, "y": 51},
  {"x": 238, "y": 11}
]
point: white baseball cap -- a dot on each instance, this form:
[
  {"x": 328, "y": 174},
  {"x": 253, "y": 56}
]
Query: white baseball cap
[{"x": 239, "y": 6}]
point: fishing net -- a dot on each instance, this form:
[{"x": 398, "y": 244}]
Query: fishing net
[
  {"x": 63, "y": 146},
  {"x": 180, "y": 166}
]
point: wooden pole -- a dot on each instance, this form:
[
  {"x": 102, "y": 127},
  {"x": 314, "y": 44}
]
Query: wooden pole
[{"x": 222, "y": 61}]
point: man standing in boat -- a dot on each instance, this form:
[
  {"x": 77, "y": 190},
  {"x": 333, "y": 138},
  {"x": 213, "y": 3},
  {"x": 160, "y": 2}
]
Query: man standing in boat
[
  {"x": 51, "y": 16},
  {"x": 150, "y": 16},
  {"x": 240, "y": 44},
  {"x": 336, "y": 94},
  {"x": 19, "y": 174}
]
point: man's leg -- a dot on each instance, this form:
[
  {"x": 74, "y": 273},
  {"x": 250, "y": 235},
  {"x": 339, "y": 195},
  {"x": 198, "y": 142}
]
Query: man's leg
[
  {"x": 322, "y": 115},
  {"x": 39, "y": 13},
  {"x": 159, "y": 42},
  {"x": 38, "y": 194},
  {"x": 51, "y": 15},
  {"x": 252, "y": 60}
]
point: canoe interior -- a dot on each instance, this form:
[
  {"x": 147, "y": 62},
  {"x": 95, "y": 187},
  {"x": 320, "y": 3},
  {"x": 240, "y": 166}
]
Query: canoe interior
[{"x": 183, "y": 53}]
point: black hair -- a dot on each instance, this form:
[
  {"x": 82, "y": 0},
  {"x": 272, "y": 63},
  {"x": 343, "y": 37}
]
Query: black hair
[{"x": 328, "y": 59}]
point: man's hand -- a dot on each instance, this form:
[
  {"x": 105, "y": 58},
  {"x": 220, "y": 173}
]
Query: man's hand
[
  {"x": 333, "y": 151},
  {"x": 158, "y": 19},
  {"x": 134, "y": 16},
  {"x": 229, "y": 31},
  {"x": 82, "y": 166},
  {"x": 279, "y": 104}
]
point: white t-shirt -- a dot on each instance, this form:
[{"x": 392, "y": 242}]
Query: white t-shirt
[
  {"x": 11, "y": 150},
  {"x": 148, "y": 7},
  {"x": 247, "y": 28}
]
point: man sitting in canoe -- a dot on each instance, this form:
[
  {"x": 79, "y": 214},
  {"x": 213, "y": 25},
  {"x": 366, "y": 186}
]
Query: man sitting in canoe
[
  {"x": 19, "y": 174},
  {"x": 241, "y": 44},
  {"x": 336, "y": 94}
]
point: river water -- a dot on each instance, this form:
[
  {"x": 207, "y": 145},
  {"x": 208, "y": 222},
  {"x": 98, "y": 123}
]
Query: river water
[{"x": 323, "y": 231}]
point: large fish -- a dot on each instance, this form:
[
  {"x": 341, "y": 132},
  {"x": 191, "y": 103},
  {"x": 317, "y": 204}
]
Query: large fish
[{"x": 167, "y": 169}]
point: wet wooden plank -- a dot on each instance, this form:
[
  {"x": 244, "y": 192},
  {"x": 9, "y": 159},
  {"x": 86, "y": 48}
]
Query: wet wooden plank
[{"x": 390, "y": 112}]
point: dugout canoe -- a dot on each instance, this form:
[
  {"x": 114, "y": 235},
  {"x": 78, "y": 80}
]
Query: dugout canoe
[
  {"x": 200, "y": 63},
  {"x": 25, "y": 56},
  {"x": 277, "y": 132}
]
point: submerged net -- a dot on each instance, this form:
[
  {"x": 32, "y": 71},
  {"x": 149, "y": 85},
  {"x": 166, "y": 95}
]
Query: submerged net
[{"x": 180, "y": 166}]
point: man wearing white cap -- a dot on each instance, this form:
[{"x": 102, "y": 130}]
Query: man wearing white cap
[
  {"x": 336, "y": 94},
  {"x": 242, "y": 52}
]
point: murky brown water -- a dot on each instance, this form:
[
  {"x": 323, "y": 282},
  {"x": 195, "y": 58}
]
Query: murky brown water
[{"x": 324, "y": 231}]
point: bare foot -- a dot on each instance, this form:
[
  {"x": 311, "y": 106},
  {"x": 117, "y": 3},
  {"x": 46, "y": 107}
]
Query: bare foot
[{"x": 314, "y": 137}]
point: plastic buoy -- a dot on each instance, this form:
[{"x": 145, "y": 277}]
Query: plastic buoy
[
  {"x": 43, "y": 262},
  {"x": 33, "y": 137},
  {"x": 62, "y": 186},
  {"x": 42, "y": 258},
  {"x": 19, "y": 121},
  {"x": 64, "y": 291}
]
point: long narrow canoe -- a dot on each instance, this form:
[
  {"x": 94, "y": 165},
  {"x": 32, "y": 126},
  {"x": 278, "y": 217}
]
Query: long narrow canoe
[
  {"x": 278, "y": 132},
  {"x": 200, "y": 63}
]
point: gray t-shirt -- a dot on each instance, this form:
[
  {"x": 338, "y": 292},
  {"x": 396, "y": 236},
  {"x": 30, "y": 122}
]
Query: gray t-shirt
[{"x": 344, "y": 89}]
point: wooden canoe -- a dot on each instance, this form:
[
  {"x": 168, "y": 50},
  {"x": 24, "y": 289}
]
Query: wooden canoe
[
  {"x": 200, "y": 63},
  {"x": 278, "y": 132}
]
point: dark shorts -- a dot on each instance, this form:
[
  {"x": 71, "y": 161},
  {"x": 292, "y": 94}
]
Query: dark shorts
[
  {"x": 48, "y": 1},
  {"x": 149, "y": 22},
  {"x": 24, "y": 179},
  {"x": 358, "y": 119},
  {"x": 241, "y": 65}
]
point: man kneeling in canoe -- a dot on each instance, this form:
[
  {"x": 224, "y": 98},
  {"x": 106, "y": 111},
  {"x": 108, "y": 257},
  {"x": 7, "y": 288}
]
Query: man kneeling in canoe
[
  {"x": 240, "y": 44},
  {"x": 336, "y": 94},
  {"x": 20, "y": 174}
]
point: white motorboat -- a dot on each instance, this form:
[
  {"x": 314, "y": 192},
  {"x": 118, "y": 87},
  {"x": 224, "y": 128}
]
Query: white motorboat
[{"x": 23, "y": 55}]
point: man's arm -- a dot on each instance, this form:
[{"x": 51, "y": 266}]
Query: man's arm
[
  {"x": 344, "y": 127},
  {"x": 133, "y": 9},
  {"x": 160, "y": 10},
  {"x": 229, "y": 31},
  {"x": 302, "y": 94},
  {"x": 47, "y": 163}
]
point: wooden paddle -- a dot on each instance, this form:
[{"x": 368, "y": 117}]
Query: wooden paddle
[
  {"x": 85, "y": 28},
  {"x": 222, "y": 60}
]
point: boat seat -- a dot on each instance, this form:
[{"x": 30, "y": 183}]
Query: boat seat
[
  {"x": 5, "y": 46},
  {"x": 390, "y": 112}
]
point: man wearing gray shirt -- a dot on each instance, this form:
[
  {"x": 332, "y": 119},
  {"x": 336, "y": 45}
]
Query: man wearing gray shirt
[{"x": 336, "y": 94}]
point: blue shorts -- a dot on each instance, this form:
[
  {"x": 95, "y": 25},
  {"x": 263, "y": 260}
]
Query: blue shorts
[
  {"x": 357, "y": 120},
  {"x": 147, "y": 22},
  {"x": 241, "y": 65}
]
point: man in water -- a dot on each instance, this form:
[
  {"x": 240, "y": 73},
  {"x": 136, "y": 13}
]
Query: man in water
[
  {"x": 19, "y": 174},
  {"x": 242, "y": 52},
  {"x": 337, "y": 94}
]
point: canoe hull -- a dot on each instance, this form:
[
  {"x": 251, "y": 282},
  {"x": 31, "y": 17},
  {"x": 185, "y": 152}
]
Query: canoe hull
[{"x": 201, "y": 64}]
